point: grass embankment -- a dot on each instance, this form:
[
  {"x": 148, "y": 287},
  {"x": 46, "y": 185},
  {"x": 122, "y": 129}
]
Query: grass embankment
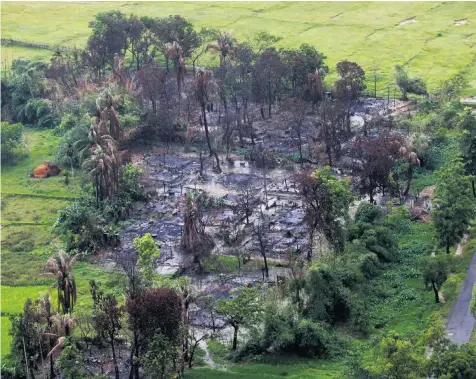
[
  {"x": 29, "y": 210},
  {"x": 424, "y": 36}
]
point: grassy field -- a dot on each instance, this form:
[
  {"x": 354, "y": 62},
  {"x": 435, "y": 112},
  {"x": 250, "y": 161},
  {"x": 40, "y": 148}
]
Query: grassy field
[
  {"x": 282, "y": 367},
  {"x": 29, "y": 210},
  {"x": 423, "y": 36}
]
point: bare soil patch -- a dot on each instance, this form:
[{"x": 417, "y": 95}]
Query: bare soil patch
[
  {"x": 411, "y": 20},
  {"x": 460, "y": 22}
]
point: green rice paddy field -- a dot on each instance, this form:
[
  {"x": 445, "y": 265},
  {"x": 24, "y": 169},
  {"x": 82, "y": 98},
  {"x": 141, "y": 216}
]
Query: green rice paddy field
[{"x": 436, "y": 40}]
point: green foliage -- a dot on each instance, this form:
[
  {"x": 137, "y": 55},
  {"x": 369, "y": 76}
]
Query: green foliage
[
  {"x": 377, "y": 238},
  {"x": 131, "y": 182},
  {"x": 243, "y": 309},
  {"x": 329, "y": 291},
  {"x": 468, "y": 144},
  {"x": 148, "y": 253},
  {"x": 286, "y": 331},
  {"x": 326, "y": 201},
  {"x": 454, "y": 205},
  {"x": 435, "y": 272},
  {"x": 68, "y": 122},
  {"x": 24, "y": 92},
  {"x": 84, "y": 226},
  {"x": 367, "y": 212},
  {"x": 451, "y": 88},
  {"x": 311, "y": 339},
  {"x": 161, "y": 357},
  {"x": 25, "y": 345},
  {"x": 12, "y": 149},
  {"x": 67, "y": 153},
  {"x": 89, "y": 224},
  {"x": 407, "y": 85},
  {"x": 70, "y": 361},
  {"x": 401, "y": 359},
  {"x": 359, "y": 316},
  {"x": 453, "y": 362},
  {"x": 398, "y": 221}
]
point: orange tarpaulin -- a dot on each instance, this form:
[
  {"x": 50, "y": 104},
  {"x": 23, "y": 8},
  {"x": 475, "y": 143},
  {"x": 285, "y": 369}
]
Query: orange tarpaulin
[{"x": 46, "y": 170}]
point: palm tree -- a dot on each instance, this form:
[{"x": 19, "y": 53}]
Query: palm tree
[
  {"x": 202, "y": 91},
  {"x": 108, "y": 120},
  {"x": 61, "y": 266},
  {"x": 412, "y": 159},
  {"x": 315, "y": 86},
  {"x": 174, "y": 52},
  {"x": 104, "y": 167},
  {"x": 224, "y": 45}
]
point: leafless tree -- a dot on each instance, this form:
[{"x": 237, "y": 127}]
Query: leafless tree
[
  {"x": 247, "y": 200},
  {"x": 261, "y": 232},
  {"x": 194, "y": 340},
  {"x": 297, "y": 109},
  {"x": 202, "y": 94},
  {"x": 195, "y": 240}
]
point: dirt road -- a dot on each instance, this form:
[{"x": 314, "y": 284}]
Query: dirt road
[{"x": 460, "y": 322}]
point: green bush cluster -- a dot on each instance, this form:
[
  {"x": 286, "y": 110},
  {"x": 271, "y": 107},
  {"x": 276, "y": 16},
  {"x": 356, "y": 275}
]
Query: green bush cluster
[
  {"x": 87, "y": 225},
  {"x": 24, "y": 95},
  {"x": 12, "y": 148}
]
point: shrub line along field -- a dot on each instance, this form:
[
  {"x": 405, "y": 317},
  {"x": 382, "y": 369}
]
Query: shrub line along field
[{"x": 432, "y": 39}]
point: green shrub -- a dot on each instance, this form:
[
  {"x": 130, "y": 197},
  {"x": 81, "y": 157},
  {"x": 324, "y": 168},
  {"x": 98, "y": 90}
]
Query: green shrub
[
  {"x": 285, "y": 331},
  {"x": 68, "y": 122},
  {"x": 359, "y": 316},
  {"x": 67, "y": 152},
  {"x": 71, "y": 361},
  {"x": 398, "y": 221},
  {"x": 367, "y": 213},
  {"x": 328, "y": 290},
  {"x": 127, "y": 121},
  {"x": 132, "y": 186},
  {"x": 312, "y": 339},
  {"x": 369, "y": 265},
  {"x": 90, "y": 224},
  {"x": 12, "y": 149},
  {"x": 38, "y": 112}
]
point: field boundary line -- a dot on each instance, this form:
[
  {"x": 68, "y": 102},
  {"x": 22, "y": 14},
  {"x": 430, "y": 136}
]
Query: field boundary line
[
  {"x": 23, "y": 223},
  {"x": 38, "y": 196},
  {"x": 32, "y": 45}
]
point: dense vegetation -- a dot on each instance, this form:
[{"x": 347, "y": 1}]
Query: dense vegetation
[{"x": 361, "y": 294}]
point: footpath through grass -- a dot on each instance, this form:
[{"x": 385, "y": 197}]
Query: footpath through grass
[{"x": 433, "y": 39}]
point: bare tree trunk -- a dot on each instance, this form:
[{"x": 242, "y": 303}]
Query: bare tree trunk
[
  {"x": 207, "y": 134},
  {"x": 235, "y": 337},
  {"x": 266, "y": 270},
  {"x": 116, "y": 368},
  {"x": 435, "y": 290},
  {"x": 311, "y": 243},
  {"x": 26, "y": 360},
  {"x": 218, "y": 168},
  {"x": 301, "y": 161},
  {"x": 410, "y": 177}
]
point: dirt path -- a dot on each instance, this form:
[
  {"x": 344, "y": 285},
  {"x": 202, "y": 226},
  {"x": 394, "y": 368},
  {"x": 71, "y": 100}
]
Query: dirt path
[{"x": 460, "y": 322}]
